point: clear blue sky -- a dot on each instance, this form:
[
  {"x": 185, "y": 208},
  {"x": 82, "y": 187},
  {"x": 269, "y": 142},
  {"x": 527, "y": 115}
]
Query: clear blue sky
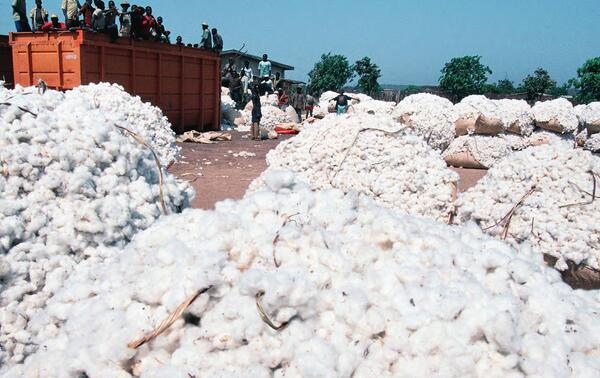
[{"x": 410, "y": 40}]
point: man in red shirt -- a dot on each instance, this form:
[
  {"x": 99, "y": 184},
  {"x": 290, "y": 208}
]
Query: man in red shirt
[
  {"x": 87, "y": 10},
  {"x": 54, "y": 24},
  {"x": 148, "y": 23}
]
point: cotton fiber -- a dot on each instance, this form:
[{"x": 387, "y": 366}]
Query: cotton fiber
[
  {"x": 70, "y": 181},
  {"x": 542, "y": 196},
  {"x": 556, "y": 115},
  {"x": 355, "y": 290},
  {"x": 126, "y": 110},
  {"x": 373, "y": 155},
  {"x": 429, "y": 116}
]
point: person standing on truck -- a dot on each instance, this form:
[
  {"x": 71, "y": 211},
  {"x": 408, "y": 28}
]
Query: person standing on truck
[
  {"x": 206, "y": 41},
  {"x": 54, "y": 25},
  {"x": 38, "y": 16},
  {"x": 87, "y": 10},
  {"x": 159, "y": 30},
  {"x": 256, "y": 113},
  {"x": 19, "y": 8},
  {"x": 125, "y": 20},
  {"x": 217, "y": 40},
  {"x": 148, "y": 24},
  {"x": 70, "y": 9},
  {"x": 98, "y": 19},
  {"x": 179, "y": 41},
  {"x": 137, "y": 19}
]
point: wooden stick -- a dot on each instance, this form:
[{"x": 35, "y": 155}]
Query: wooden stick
[
  {"x": 264, "y": 316},
  {"x": 276, "y": 239},
  {"x": 587, "y": 202},
  {"x": 156, "y": 160},
  {"x": 166, "y": 323}
]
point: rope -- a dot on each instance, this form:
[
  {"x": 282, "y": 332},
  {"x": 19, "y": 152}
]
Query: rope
[{"x": 166, "y": 323}]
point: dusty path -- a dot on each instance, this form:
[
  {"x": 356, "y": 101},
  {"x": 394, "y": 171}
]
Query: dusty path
[{"x": 217, "y": 174}]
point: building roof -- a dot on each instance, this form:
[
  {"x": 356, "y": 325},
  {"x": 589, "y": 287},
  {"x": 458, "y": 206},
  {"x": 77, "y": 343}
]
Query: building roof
[{"x": 256, "y": 57}]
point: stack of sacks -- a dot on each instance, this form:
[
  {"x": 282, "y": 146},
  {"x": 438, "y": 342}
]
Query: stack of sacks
[
  {"x": 70, "y": 181},
  {"x": 429, "y": 116},
  {"x": 478, "y": 115},
  {"x": 355, "y": 290},
  {"x": 489, "y": 130},
  {"x": 558, "y": 218},
  {"x": 373, "y": 156},
  {"x": 556, "y": 115},
  {"x": 478, "y": 151},
  {"x": 589, "y": 120},
  {"x": 143, "y": 118}
]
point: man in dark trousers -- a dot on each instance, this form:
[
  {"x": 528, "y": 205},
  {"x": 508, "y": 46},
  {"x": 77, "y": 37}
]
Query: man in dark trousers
[
  {"x": 19, "y": 8},
  {"x": 217, "y": 40}
]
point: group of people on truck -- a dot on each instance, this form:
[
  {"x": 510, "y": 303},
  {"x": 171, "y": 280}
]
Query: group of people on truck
[{"x": 137, "y": 22}]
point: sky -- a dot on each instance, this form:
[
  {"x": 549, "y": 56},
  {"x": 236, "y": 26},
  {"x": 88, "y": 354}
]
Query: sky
[{"x": 409, "y": 40}]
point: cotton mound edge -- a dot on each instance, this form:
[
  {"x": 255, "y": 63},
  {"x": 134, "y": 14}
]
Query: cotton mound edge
[
  {"x": 317, "y": 284},
  {"x": 72, "y": 181},
  {"x": 373, "y": 155}
]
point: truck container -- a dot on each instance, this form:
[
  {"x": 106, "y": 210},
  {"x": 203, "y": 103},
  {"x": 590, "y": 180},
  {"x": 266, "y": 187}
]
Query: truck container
[
  {"x": 183, "y": 81},
  {"x": 6, "y": 66}
]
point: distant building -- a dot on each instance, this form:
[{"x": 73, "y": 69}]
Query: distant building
[{"x": 253, "y": 59}]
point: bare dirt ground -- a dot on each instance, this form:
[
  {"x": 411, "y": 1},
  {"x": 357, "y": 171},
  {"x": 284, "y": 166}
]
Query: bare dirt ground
[{"x": 217, "y": 174}]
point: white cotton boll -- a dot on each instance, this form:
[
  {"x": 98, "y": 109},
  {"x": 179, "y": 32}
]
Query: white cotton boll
[
  {"x": 356, "y": 289},
  {"x": 74, "y": 182},
  {"x": 559, "y": 110},
  {"x": 428, "y": 116},
  {"x": 545, "y": 219},
  {"x": 370, "y": 155}
]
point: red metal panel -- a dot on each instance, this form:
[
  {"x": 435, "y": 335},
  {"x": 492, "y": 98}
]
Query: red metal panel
[
  {"x": 183, "y": 82},
  {"x": 6, "y": 65}
]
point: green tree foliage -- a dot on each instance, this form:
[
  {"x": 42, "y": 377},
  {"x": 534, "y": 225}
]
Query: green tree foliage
[
  {"x": 331, "y": 73},
  {"x": 411, "y": 89},
  {"x": 561, "y": 90},
  {"x": 588, "y": 81},
  {"x": 368, "y": 76},
  {"x": 537, "y": 84},
  {"x": 505, "y": 86},
  {"x": 464, "y": 76}
]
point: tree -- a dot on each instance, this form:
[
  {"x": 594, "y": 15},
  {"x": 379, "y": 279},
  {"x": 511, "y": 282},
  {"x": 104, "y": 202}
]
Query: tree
[
  {"x": 464, "y": 76},
  {"x": 562, "y": 90},
  {"x": 331, "y": 73},
  {"x": 588, "y": 81},
  {"x": 411, "y": 89},
  {"x": 368, "y": 74},
  {"x": 537, "y": 84},
  {"x": 505, "y": 86}
]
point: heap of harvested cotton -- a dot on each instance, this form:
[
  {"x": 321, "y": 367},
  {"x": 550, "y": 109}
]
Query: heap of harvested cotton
[
  {"x": 316, "y": 284},
  {"x": 476, "y": 151},
  {"x": 146, "y": 120},
  {"x": 271, "y": 117},
  {"x": 70, "y": 180},
  {"x": 516, "y": 116},
  {"x": 374, "y": 107},
  {"x": 478, "y": 115},
  {"x": 429, "y": 116},
  {"x": 373, "y": 156},
  {"x": 544, "y": 196},
  {"x": 556, "y": 115}
]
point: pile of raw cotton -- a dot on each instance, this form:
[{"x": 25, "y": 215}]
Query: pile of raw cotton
[
  {"x": 556, "y": 115},
  {"x": 478, "y": 114},
  {"x": 544, "y": 196},
  {"x": 589, "y": 121},
  {"x": 143, "y": 118},
  {"x": 373, "y": 155},
  {"x": 429, "y": 116},
  {"x": 315, "y": 284},
  {"x": 70, "y": 180}
]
